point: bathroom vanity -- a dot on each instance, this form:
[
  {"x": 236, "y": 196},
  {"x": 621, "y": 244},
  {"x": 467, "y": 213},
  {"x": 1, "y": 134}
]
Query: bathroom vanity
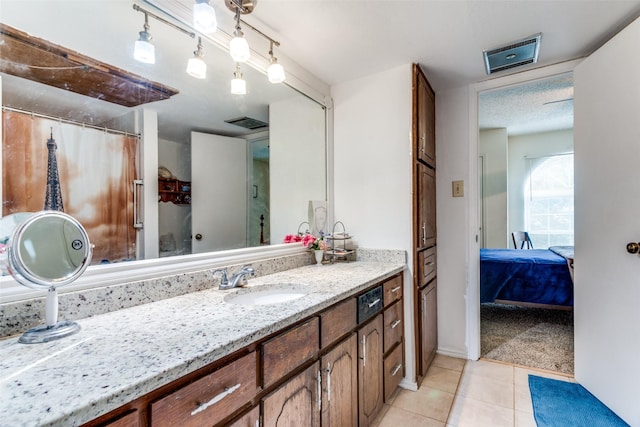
[{"x": 226, "y": 357}]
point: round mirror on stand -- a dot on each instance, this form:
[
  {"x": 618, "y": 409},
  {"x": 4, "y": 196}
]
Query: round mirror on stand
[{"x": 45, "y": 250}]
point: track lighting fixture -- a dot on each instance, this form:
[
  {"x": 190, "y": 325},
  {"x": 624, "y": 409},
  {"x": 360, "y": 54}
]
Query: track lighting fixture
[
  {"x": 204, "y": 17},
  {"x": 205, "y": 22},
  {"x": 239, "y": 47},
  {"x": 238, "y": 84},
  {"x": 275, "y": 72},
  {"x": 144, "y": 51},
  {"x": 196, "y": 66}
]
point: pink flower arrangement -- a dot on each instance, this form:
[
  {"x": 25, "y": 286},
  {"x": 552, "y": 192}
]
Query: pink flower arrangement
[
  {"x": 308, "y": 241},
  {"x": 312, "y": 242},
  {"x": 292, "y": 238}
]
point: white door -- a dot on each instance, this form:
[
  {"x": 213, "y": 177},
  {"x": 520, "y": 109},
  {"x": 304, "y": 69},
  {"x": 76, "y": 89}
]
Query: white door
[
  {"x": 218, "y": 192},
  {"x": 607, "y": 198}
]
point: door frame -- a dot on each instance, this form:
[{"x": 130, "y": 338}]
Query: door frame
[{"x": 472, "y": 338}]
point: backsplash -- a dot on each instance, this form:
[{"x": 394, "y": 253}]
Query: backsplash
[{"x": 17, "y": 317}]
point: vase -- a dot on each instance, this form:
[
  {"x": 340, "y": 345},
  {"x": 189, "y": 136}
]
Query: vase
[{"x": 319, "y": 254}]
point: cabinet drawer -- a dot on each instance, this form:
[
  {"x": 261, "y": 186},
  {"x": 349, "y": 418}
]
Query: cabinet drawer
[
  {"x": 393, "y": 372},
  {"x": 393, "y": 326},
  {"x": 337, "y": 321},
  {"x": 130, "y": 420},
  {"x": 211, "y": 398},
  {"x": 392, "y": 290},
  {"x": 289, "y": 350},
  {"x": 427, "y": 266}
]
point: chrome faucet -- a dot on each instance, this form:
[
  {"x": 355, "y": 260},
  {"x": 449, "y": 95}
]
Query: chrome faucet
[{"x": 238, "y": 279}]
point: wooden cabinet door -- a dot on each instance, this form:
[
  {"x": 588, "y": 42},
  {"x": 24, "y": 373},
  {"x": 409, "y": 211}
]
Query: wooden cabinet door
[
  {"x": 426, "y": 207},
  {"x": 340, "y": 384},
  {"x": 428, "y": 326},
  {"x": 250, "y": 419},
  {"x": 370, "y": 370},
  {"x": 296, "y": 402},
  {"x": 426, "y": 118}
]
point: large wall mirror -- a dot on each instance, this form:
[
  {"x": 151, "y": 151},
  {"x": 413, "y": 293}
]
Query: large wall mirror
[{"x": 219, "y": 171}]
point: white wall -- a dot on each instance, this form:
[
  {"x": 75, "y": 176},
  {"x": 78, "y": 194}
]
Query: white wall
[
  {"x": 607, "y": 202},
  {"x": 533, "y": 145},
  {"x": 172, "y": 218},
  {"x": 452, "y": 148},
  {"x": 297, "y": 146},
  {"x": 373, "y": 171},
  {"x": 493, "y": 148}
]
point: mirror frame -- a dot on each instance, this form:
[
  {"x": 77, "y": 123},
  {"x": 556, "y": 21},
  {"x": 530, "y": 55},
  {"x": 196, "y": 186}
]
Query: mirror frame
[{"x": 99, "y": 276}]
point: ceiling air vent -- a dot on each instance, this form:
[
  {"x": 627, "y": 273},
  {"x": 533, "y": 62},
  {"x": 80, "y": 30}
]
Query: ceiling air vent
[
  {"x": 515, "y": 54},
  {"x": 248, "y": 123}
]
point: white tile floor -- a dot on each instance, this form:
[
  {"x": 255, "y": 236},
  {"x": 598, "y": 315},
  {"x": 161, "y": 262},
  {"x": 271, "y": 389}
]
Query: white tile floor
[{"x": 463, "y": 393}]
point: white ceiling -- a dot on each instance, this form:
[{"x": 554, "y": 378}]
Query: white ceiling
[
  {"x": 344, "y": 40},
  {"x": 341, "y": 40}
]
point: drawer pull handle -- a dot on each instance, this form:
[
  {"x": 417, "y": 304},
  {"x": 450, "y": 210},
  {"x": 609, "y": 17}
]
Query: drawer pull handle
[
  {"x": 328, "y": 382},
  {"x": 364, "y": 351},
  {"x": 396, "y": 323},
  {"x": 371, "y": 304},
  {"x": 430, "y": 264},
  {"x": 227, "y": 391},
  {"x": 396, "y": 369},
  {"x": 319, "y": 391},
  {"x": 396, "y": 289}
]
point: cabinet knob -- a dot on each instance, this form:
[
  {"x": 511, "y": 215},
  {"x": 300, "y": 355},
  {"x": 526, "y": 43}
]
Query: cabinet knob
[
  {"x": 633, "y": 248},
  {"x": 198, "y": 236}
]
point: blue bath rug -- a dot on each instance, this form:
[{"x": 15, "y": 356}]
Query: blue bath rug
[{"x": 565, "y": 404}]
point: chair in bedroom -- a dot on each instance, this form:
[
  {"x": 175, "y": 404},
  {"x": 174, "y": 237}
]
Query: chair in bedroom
[{"x": 520, "y": 239}]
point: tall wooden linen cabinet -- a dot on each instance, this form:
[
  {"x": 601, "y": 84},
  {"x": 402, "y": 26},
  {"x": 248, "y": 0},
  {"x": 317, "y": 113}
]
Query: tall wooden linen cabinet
[{"x": 424, "y": 221}]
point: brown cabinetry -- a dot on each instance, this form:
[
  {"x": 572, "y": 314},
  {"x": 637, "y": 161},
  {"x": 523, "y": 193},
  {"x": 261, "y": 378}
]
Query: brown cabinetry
[
  {"x": 340, "y": 384},
  {"x": 174, "y": 191},
  {"x": 428, "y": 318},
  {"x": 296, "y": 402},
  {"x": 425, "y": 122},
  {"x": 424, "y": 214},
  {"x": 370, "y": 370},
  {"x": 209, "y": 399}
]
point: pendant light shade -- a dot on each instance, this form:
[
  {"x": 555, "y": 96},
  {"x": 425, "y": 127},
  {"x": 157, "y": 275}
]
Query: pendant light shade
[
  {"x": 204, "y": 17},
  {"x": 238, "y": 84},
  {"x": 144, "y": 51},
  {"x": 196, "y": 66},
  {"x": 275, "y": 72},
  {"x": 239, "y": 48}
]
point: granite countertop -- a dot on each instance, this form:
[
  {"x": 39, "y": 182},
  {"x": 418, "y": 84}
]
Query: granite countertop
[{"x": 120, "y": 356}]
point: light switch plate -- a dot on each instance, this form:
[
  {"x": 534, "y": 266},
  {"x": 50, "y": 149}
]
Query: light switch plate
[{"x": 458, "y": 188}]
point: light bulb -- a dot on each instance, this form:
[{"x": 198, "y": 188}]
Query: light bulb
[
  {"x": 238, "y": 84},
  {"x": 204, "y": 17},
  {"x": 239, "y": 48},
  {"x": 144, "y": 50},
  {"x": 197, "y": 68},
  {"x": 275, "y": 72}
]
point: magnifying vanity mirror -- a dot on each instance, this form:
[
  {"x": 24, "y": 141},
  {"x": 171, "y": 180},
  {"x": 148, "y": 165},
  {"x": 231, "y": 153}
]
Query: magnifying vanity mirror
[
  {"x": 45, "y": 250},
  {"x": 242, "y": 168}
]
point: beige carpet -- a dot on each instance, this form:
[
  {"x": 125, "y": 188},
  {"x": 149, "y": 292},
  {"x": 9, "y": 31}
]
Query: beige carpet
[{"x": 534, "y": 337}]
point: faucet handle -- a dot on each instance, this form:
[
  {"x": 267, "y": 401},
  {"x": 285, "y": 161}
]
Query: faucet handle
[
  {"x": 248, "y": 269},
  {"x": 223, "y": 272}
]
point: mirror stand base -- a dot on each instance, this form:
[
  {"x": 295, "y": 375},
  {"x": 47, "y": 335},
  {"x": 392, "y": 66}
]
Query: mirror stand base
[{"x": 44, "y": 333}]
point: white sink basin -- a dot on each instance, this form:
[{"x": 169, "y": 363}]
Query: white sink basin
[{"x": 267, "y": 294}]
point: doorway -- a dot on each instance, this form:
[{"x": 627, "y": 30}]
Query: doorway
[{"x": 521, "y": 127}]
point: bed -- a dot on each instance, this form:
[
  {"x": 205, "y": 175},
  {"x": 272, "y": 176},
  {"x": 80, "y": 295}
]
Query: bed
[{"x": 534, "y": 276}]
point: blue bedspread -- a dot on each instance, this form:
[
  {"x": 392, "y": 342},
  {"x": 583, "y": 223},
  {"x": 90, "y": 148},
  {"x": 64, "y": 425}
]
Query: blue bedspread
[{"x": 536, "y": 276}]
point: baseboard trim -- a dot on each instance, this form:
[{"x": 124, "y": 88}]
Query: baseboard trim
[
  {"x": 408, "y": 385},
  {"x": 452, "y": 353}
]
